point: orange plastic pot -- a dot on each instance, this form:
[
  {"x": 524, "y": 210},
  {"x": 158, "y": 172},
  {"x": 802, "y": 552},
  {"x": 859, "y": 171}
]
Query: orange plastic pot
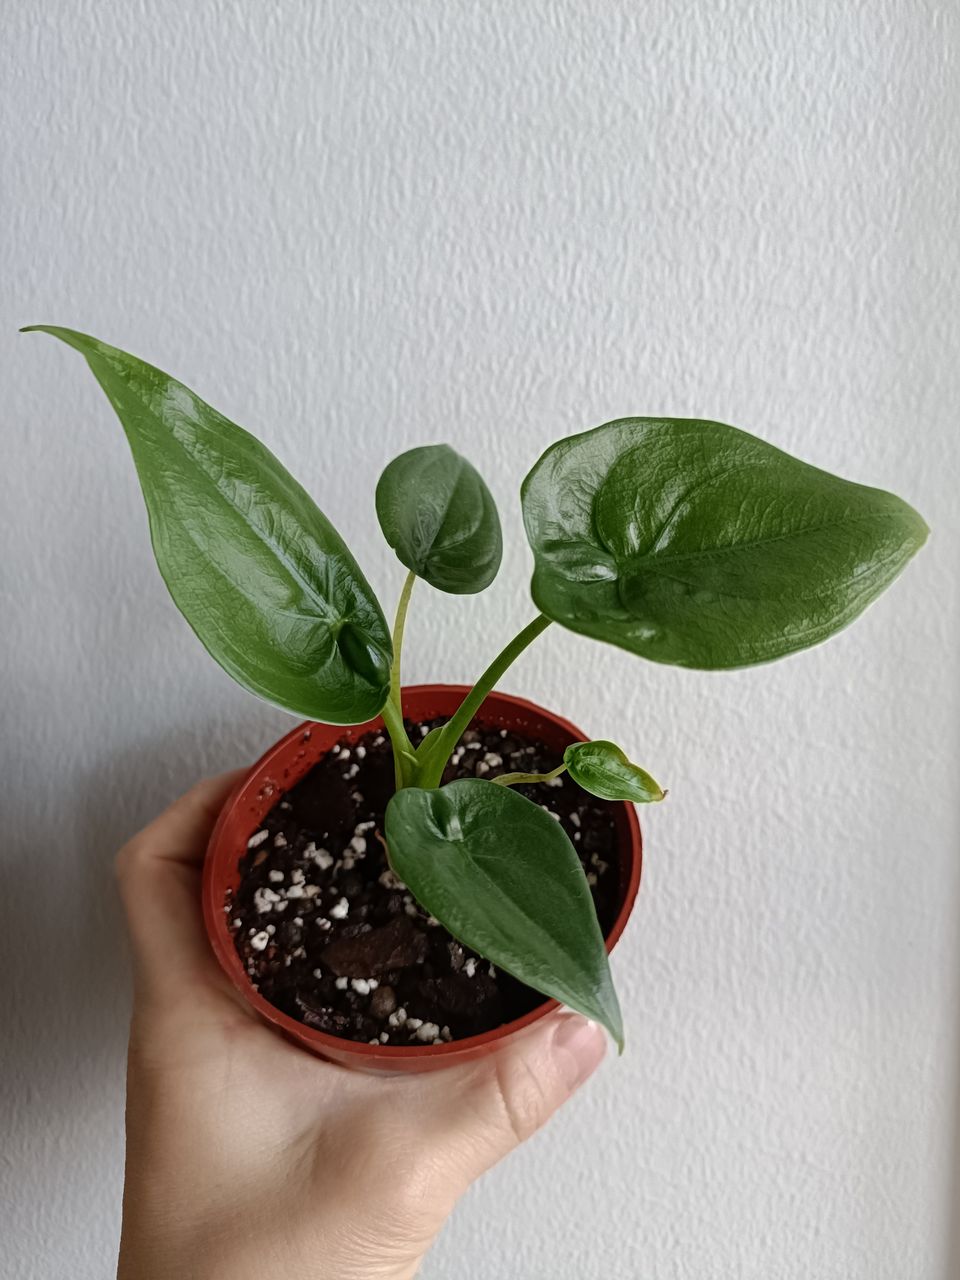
[{"x": 282, "y": 767}]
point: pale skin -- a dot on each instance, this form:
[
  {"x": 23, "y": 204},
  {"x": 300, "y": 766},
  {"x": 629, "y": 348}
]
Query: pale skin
[{"x": 247, "y": 1156}]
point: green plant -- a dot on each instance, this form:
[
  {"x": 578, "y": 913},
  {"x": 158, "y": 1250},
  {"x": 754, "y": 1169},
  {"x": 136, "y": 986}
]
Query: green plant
[{"x": 685, "y": 542}]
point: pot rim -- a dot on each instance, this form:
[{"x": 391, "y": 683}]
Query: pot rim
[{"x": 222, "y": 943}]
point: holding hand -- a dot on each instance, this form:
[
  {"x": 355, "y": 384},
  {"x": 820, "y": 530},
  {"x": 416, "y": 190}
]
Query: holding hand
[{"x": 245, "y": 1155}]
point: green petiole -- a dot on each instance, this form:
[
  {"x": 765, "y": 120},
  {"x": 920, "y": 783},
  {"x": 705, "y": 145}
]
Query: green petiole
[
  {"x": 403, "y": 749},
  {"x": 435, "y": 750},
  {"x": 399, "y": 623},
  {"x": 526, "y": 779}
]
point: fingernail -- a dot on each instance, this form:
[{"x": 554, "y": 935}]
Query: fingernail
[{"x": 580, "y": 1046}]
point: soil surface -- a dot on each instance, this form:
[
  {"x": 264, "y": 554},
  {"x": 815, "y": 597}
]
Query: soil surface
[{"x": 329, "y": 935}]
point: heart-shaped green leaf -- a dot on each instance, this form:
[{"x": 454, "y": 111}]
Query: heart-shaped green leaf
[
  {"x": 440, "y": 518},
  {"x": 604, "y": 770},
  {"x": 257, "y": 570},
  {"x": 696, "y": 544},
  {"x": 502, "y": 876}
]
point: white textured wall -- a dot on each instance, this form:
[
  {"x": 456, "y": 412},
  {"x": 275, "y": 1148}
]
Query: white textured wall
[{"x": 356, "y": 227}]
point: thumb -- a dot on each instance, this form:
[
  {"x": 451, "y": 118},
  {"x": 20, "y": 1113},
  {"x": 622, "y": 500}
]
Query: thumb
[{"x": 482, "y": 1111}]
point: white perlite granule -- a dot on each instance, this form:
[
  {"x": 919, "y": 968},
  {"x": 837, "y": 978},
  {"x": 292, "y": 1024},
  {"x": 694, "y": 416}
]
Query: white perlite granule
[
  {"x": 340, "y": 910},
  {"x": 321, "y": 857},
  {"x": 257, "y": 840},
  {"x": 264, "y": 899}
]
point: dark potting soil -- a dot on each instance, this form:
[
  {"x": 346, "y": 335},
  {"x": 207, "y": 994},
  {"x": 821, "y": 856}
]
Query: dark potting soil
[{"x": 329, "y": 935}]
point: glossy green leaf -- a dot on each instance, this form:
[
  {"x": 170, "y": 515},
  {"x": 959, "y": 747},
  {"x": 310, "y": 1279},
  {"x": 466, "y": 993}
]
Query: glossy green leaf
[
  {"x": 440, "y": 518},
  {"x": 503, "y": 877},
  {"x": 257, "y": 570},
  {"x": 695, "y": 544},
  {"x": 604, "y": 770}
]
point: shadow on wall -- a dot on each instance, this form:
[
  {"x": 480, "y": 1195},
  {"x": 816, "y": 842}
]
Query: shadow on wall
[{"x": 65, "y": 1003}]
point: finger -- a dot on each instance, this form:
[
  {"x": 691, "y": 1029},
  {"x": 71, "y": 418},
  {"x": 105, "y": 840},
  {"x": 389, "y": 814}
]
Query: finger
[
  {"x": 158, "y": 872},
  {"x": 477, "y": 1114},
  {"x": 180, "y": 833}
]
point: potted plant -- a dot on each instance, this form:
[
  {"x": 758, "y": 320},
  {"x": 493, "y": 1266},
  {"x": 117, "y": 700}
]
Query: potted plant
[{"x": 402, "y": 880}]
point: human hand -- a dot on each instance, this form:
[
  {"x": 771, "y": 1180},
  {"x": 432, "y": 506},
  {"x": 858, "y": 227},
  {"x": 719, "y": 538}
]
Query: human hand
[{"x": 248, "y": 1157}]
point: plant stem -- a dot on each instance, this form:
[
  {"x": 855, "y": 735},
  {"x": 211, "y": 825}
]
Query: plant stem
[
  {"x": 524, "y": 779},
  {"x": 402, "y": 746},
  {"x": 393, "y": 711},
  {"x": 398, "y": 626},
  {"x": 442, "y": 747}
]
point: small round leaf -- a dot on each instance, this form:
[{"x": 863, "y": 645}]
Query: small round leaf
[
  {"x": 440, "y": 518},
  {"x": 604, "y": 770}
]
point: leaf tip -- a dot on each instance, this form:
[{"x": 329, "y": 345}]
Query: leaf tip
[
  {"x": 612, "y": 1020},
  {"x": 70, "y": 336},
  {"x": 617, "y": 1036}
]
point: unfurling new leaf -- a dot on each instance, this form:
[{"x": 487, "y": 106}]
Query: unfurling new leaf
[
  {"x": 257, "y": 570},
  {"x": 604, "y": 770},
  {"x": 440, "y": 518},
  {"x": 504, "y": 878},
  {"x": 696, "y": 544}
]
